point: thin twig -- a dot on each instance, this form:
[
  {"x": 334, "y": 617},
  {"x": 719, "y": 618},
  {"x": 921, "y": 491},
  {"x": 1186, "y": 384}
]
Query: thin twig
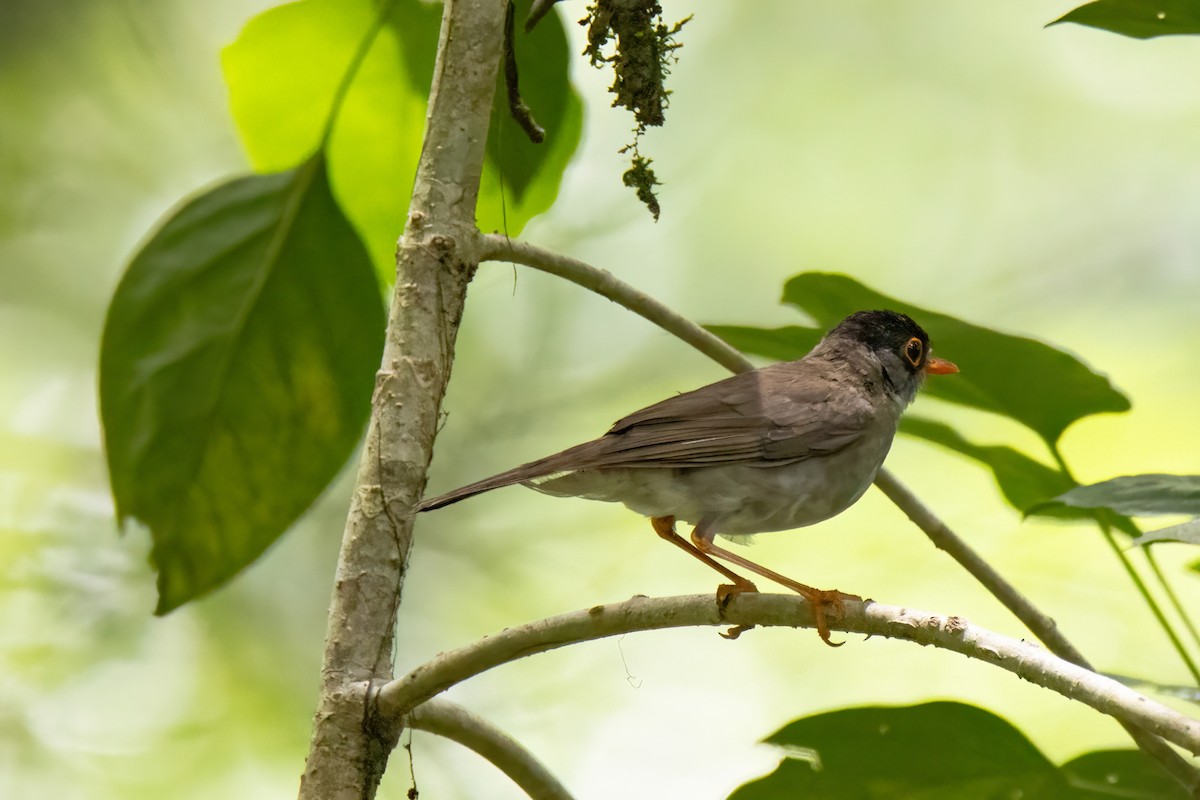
[
  {"x": 537, "y": 10},
  {"x": 1172, "y": 597},
  {"x": 444, "y": 718},
  {"x": 496, "y": 247},
  {"x": 943, "y": 538},
  {"x": 1024, "y": 659},
  {"x": 516, "y": 104}
]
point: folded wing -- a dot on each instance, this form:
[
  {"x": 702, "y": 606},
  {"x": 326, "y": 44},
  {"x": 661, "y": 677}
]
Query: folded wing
[{"x": 777, "y": 415}]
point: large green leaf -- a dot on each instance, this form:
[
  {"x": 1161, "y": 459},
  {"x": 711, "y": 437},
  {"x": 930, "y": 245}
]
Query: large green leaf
[
  {"x": 1141, "y": 19},
  {"x": 778, "y": 344},
  {"x": 1139, "y": 495},
  {"x": 938, "y": 751},
  {"x": 236, "y": 369},
  {"x": 543, "y": 58},
  {"x": 1120, "y": 773},
  {"x": 1023, "y": 481},
  {"x": 1035, "y": 384},
  {"x": 282, "y": 72}
]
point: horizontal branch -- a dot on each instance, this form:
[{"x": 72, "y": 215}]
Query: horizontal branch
[
  {"x": 444, "y": 718},
  {"x": 1026, "y": 660}
]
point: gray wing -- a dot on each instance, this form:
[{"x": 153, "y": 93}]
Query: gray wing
[{"x": 776, "y": 415}]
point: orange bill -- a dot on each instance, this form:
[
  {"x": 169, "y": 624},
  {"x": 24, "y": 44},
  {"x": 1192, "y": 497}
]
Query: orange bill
[{"x": 940, "y": 366}]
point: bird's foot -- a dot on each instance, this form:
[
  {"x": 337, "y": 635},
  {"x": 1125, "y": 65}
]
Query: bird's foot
[
  {"x": 827, "y": 600},
  {"x": 725, "y": 593}
]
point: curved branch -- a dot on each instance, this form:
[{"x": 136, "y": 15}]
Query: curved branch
[
  {"x": 1042, "y": 626},
  {"x": 945, "y": 539},
  {"x": 1023, "y": 659},
  {"x": 496, "y": 247},
  {"x": 444, "y": 718}
]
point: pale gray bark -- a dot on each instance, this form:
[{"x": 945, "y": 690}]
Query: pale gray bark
[
  {"x": 444, "y": 718},
  {"x": 1024, "y": 659},
  {"x": 435, "y": 261}
]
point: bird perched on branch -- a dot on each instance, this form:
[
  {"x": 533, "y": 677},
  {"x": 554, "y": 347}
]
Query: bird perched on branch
[{"x": 781, "y": 447}]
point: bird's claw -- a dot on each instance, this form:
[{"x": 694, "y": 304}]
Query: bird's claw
[
  {"x": 831, "y": 599},
  {"x": 736, "y": 631},
  {"x": 727, "y": 591}
]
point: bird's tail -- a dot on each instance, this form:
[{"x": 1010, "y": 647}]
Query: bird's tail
[{"x": 559, "y": 462}]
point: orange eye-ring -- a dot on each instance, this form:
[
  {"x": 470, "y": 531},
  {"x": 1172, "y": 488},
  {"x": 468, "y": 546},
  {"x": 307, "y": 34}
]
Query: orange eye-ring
[{"x": 914, "y": 351}]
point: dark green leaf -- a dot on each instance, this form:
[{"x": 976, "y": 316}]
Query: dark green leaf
[
  {"x": 1141, "y": 19},
  {"x": 543, "y": 59},
  {"x": 284, "y": 67},
  {"x": 1022, "y": 480},
  {"x": 1120, "y": 773},
  {"x": 1188, "y": 532},
  {"x": 778, "y": 344},
  {"x": 236, "y": 369},
  {"x": 1035, "y": 384},
  {"x": 1139, "y": 495},
  {"x": 940, "y": 751},
  {"x": 931, "y": 751}
]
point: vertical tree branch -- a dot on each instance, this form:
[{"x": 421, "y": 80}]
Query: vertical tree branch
[{"x": 435, "y": 260}]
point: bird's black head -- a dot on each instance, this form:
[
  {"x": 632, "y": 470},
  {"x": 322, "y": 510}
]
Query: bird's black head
[{"x": 889, "y": 332}]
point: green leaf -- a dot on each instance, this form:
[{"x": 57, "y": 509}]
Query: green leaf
[
  {"x": 543, "y": 60},
  {"x": 236, "y": 370},
  {"x": 1023, "y": 481},
  {"x": 282, "y": 72},
  {"x": 931, "y": 751},
  {"x": 1120, "y": 773},
  {"x": 1139, "y": 495},
  {"x": 1188, "y": 532},
  {"x": 285, "y": 65},
  {"x": 778, "y": 344},
  {"x": 1141, "y": 19},
  {"x": 940, "y": 751},
  {"x": 1042, "y": 387}
]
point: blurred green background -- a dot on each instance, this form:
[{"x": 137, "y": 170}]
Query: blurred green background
[{"x": 958, "y": 155}]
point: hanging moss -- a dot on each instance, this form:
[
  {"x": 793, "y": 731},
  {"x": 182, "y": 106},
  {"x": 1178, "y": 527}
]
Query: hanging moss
[{"x": 632, "y": 37}]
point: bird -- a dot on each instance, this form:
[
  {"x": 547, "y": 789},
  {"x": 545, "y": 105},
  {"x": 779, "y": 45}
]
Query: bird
[{"x": 781, "y": 447}]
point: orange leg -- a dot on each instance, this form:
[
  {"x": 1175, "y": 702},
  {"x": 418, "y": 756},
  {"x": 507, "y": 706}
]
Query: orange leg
[
  {"x": 819, "y": 599},
  {"x": 665, "y": 528}
]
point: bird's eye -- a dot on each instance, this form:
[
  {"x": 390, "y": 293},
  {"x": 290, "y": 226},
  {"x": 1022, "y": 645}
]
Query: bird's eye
[{"x": 913, "y": 351}]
